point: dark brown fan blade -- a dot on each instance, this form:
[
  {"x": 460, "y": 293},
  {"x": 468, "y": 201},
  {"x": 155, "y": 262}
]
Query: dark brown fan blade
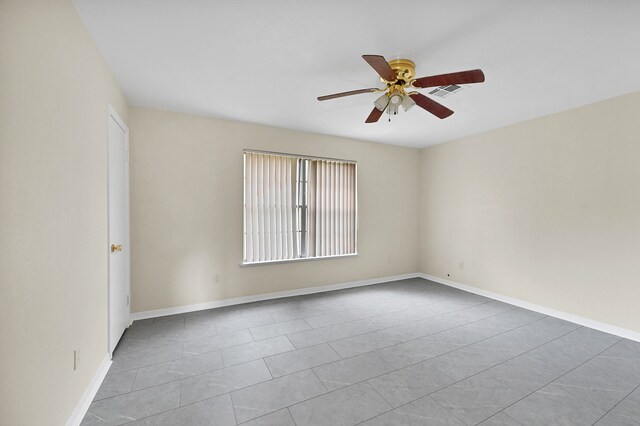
[
  {"x": 342, "y": 94},
  {"x": 462, "y": 77},
  {"x": 431, "y": 106},
  {"x": 380, "y": 64},
  {"x": 374, "y": 116}
]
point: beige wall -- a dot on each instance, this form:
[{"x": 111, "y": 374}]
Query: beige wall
[
  {"x": 547, "y": 211},
  {"x": 186, "y": 210},
  {"x": 54, "y": 91}
]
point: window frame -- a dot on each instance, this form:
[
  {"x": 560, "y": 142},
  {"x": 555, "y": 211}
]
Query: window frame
[{"x": 306, "y": 207}]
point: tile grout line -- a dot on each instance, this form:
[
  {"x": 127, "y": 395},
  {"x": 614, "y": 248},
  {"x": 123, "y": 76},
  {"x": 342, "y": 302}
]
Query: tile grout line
[
  {"x": 291, "y": 415},
  {"x": 272, "y": 318},
  {"x": 343, "y": 358},
  {"x": 319, "y": 380},
  {"x": 383, "y": 398},
  {"x": 500, "y": 363},
  {"x": 189, "y": 356},
  {"x": 299, "y": 402},
  {"x": 311, "y": 316},
  {"x": 462, "y": 347},
  {"x": 180, "y": 393},
  {"x": 133, "y": 385},
  {"x": 365, "y": 317},
  {"x": 400, "y": 310},
  {"x": 505, "y": 331},
  {"x": 245, "y": 362},
  {"x": 307, "y": 322},
  {"x": 233, "y": 407},
  {"x": 399, "y": 343},
  {"x": 241, "y": 306},
  {"x": 268, "y": 368},
  {"x": 217, "y": 333},
  {"x": 327, "y": 342},
  {"x": 426, "y": 335},
  {"x": 195, "y": 402},
  {"x": 264, "y": 415},
  {"x": 191, "y": 377},
  {"x": 322, "y": 383},
  {"x": 365, "y": 380},
  {"x": 307, "y": 347},
  {"x": 470, "y": 307},
  {"x": 618, "y": 403},
  {"x": 383, "y": 328},
  {"x": 445, "y": 408},
  {"x": 564, "y": 374},
  {"x": 330, "y": 312},
  {"x": 377, "y": 315},
  {"x": 548, "y": 383},
  {"x": 199, "y": 401},
  {"x": 458, "y": 326},
  {"x": 403, "y": 324}
]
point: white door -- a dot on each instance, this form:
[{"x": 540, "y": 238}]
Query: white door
[{"x": 119, "y": 254}]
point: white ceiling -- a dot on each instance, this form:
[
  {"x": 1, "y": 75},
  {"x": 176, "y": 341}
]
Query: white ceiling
[{"x": 267, "y": 61}]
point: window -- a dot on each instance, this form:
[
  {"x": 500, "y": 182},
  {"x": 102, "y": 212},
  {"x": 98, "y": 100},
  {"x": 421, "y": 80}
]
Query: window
[{"x": 298, "y": 207}]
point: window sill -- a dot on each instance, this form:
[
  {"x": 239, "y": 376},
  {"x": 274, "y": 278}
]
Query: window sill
[{"x": 302, "y": 259}]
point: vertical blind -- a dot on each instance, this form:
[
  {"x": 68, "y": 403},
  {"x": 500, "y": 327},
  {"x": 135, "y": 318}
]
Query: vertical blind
[
  {"x": 269, "y": 202},
  {"x": 332, "y": 226},
  {"x": 298, "y": 207}
]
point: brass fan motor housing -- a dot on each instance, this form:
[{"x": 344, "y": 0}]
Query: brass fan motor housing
[{"x": 404, "y": 68}]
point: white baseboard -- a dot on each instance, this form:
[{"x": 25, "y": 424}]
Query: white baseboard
[
  {"x": 597, "y": 325},
  {"x": 89, "y": 393},
  {"x": 587, "y": 322},
  {"x": 265, "y": 296}
]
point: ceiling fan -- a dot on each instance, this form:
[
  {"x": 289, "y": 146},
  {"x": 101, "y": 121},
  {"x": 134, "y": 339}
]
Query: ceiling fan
[{"x": 398, "y": 76}]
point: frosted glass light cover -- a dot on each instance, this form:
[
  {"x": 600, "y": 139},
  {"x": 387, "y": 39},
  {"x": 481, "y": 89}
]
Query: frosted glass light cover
[
  {"x": 407, "y": 103},
  {"x": 382, "y": 102}
]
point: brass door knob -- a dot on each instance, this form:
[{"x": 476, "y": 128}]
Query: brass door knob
[{"x": 116, "y": 247}]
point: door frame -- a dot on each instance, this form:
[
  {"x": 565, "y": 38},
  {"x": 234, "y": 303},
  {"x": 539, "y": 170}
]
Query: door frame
[{"x": 113, "y": 115}]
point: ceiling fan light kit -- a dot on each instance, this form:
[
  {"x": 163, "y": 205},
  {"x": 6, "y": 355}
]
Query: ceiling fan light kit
[
  {"x": 398, "y": 76},
  {"x": 407, "y": 103},
  {"x": 382, "y": 102}
]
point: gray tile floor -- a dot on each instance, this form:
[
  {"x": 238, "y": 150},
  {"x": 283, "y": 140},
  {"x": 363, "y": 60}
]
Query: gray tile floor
[{"x": 410, "y": 352}]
